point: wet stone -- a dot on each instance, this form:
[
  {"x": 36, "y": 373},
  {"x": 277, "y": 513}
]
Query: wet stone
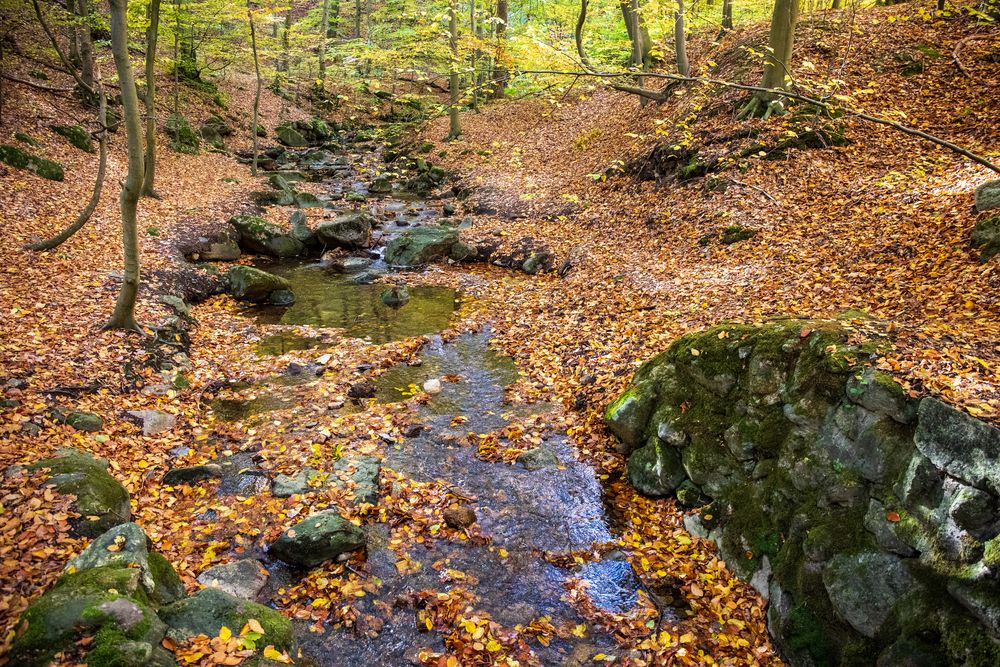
[{"x": 243, "y": 578}]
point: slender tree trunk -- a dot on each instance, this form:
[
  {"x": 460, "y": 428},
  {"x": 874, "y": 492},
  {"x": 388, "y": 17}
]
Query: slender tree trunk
[
  {"x": 256, "y": 97},
  {"x": 473, "y": 56},
  {"x": 454, "y": 84},
  {"x": 73, "y": 36},
  {"x": 123, "y": 316},
  {"x": 777, "y": 60},
  {"x": 333, "y": 29},
  {"x": 727, "y": 15},
  {"x": 177, "y": 62},
  {"x": 500, "y": 73},
  {"x": 837, "y": 4},
  {"x": 357, "y": 19},
  {"x": 152, "y": 33},
  {"x": 95, "y": 197},
  {"x": 680, "y": 46},
  {"x": 325, "y": 24},
  {"x": 86, "y": 45}
]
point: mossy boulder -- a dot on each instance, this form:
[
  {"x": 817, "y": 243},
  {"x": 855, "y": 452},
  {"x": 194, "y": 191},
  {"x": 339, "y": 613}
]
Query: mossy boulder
[
  {"x": 986, "y": 237},
  {"x": 290, "y": 137},
  {"x": 866, "y": 516},
  {"x": 249, "y": 284},
  {"x": 76, "y": 135},
  {"x": 15, "y": 157},
  {"x": 100, "y": 500},
  {"x": 351, "y": 230},
  {"x": 420, "y": 245},
  {"x": 208, "y": 610},
  {"x": 27, "y": 139},
  {"x": 183, "y": 137},
  {"x": 260, "y": 236},
  {"x": 127, "y": 546},
  {"x": 316, "y": 539},
  {"x": 988, "y": 196},
  {"x": 106, "y": 604},
  {"x": 301, "y": 133}
]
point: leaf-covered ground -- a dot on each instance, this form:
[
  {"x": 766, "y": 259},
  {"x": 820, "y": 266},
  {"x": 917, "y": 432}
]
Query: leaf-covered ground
[{"x": 879, "y": 225}]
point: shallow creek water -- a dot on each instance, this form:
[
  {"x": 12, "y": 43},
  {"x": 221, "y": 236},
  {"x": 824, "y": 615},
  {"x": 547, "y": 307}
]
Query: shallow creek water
[{"x": 556, "y": 508}]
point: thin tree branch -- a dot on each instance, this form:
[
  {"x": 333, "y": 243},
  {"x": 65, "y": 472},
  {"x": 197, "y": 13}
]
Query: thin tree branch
[
  {"x": 978, "y": 159},
  {"x": 36, "y": 86}
]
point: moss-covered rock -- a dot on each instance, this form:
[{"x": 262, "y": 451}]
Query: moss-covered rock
[
  {"x": 250, "y": 284},
  {"x": 127, "y": 546},
  {"x": 183, "y": 137},
  {"x": 208, "y": 610},
  {"x": 421, "y": 245},
  {"x": 316, "y": 539},
  {"x": 27, "y": 139},
  {"x": 100, "y": 500},
  {"x": 258, "y": 235},
  {"x": 107, "y": 604},
  {"x": 867, "y": 516},
  {"x": 986, "y": 237},
  {"x": 351, "y": 230},
  {"x": 76, "y": 135},
  {"x": 15, "y": 157}
]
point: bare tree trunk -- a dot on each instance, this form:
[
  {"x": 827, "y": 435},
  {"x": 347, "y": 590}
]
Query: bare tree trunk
[
  {"x": 123, "y": 316},
  {"x": 86, "y": 45},
  {"x": 454, "y": 84},
  {"x": 325, "y": 24},
  {"x": 357, "y": 19},
  {"x": 73, "y": 36},
  {"x": 837, "y": 4},
  {"x": 581, "y": 20},
  {"x": 256, "y": 97},
  {"x": 500, "y": 73},
  {"x": 472, "y": 56},
  {"x": 778, "y": 58},
  {"x": 177, "y": 62},
  {"x": 152, "y": 32},
  {"x": 680, "y": 46},
  {"x": 95, "y": 197},
  {"x": 727, "y": 16}
]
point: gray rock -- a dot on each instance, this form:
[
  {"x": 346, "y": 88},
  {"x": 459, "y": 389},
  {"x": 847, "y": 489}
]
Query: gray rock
[
  {"x": 258, "y": 235},
  {"x": 420, "y": 245},
  {"x": 243, "y": 578},
  {"x": 986, "y": 235},
  {"x": 628, "y": 415},
  {"x": 219, "y": 251},
  {"x": 341, "y": 264},
  {"x": 971, "y": 509},
  {"x": 538, "y": 458},
  {"x": 982, "y": 599},
  {"x": 289, "y": 136},
  {"x": 865, "y": 587},
  {"x": 988, "y": 196},
  {"x": 153, "y": 422},
  {"x": 127, "y": 546},
  {"x": 962, "y": 446},
  {"x": 205, "y": 612},
  {"x": 316, "y": 539},
  {"x": 537, "y": 262},
  {"x": 921, "y": 484},
  {"x": 395, "y": 296},
  {"x": 87, "y": 422},
  {"x": 285, "y": 486},
  {"x": 463, "y": 252},
  {"x": 126, "y": 614},
  {"x": 250, "y": 284},
  {"x": 656, "y": 469},
  {"x": 99, "y": 499},
  {"x": 879, "y": 525},
  {"x": 879, "y": 393},
  {"x": 192, "y": 474},
  {"x": 281, "y": 297},
  {"x": 351, "y": 230},
  {"x": 367, "y": 277}
]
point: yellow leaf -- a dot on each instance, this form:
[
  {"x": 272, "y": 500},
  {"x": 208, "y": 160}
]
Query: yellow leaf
[{"x": 225, "y": 634}]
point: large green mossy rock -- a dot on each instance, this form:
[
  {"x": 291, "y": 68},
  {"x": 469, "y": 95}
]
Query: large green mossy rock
[
  {"x": 986, "y": 237},
  {"x": 249, "y": 284},
  {"x": 100, "y": 500},
  {"x": 301, "y": 133},
  {"x": 107, "y": 604},
  {"x": 183, "y": 137},
  {"x": 127, "y": 546},
  {"x": 867, "y": 517},
  {"x": 988, "y": 196},
  {"x": 291, "y": 137},
  {"x": 260, "y": 236},
  {"x": 208, "y": 610},
  {"x": 421, "y": 245},
  {"x": 15, "y": 157},
  {"x": 351, "y": 230},
  {"x": 76, "y": 135},
  {"x": 316, "y": 539}
]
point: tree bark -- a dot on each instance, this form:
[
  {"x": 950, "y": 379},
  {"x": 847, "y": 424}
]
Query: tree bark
[
  {"x": 501, "y": 75},
  {"x": 256, "y": 97},
  {"x": 123, "y": 316},
  {"x": 177, "y": 55},
  {"x": 152, "y": 32},
  {"x": 95, "y": 197},
  {"x": 778, "y": 58},
  {"x": 727, "y": 16},
  {"x": 454, "y": 84},
  {"x": 357, "y": 19},
  {"x": 86, "y": 45},
  {"x": 325, "y": 25},
  {"x": 680, "y": 46}
]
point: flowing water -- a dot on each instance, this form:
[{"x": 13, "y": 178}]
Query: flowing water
[{"x": 557, "y": 508}]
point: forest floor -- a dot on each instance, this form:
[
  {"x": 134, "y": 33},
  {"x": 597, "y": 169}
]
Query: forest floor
[{"x": 879, "y": 225}]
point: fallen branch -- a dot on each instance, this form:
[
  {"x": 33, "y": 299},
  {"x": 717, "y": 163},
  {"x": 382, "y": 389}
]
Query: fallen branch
[
  {"x": 754, "y": 187},
  {"x": 36, "y": 86},
  {"x": 958, "y": 48},
  {"x": 978, "y": 159}
]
